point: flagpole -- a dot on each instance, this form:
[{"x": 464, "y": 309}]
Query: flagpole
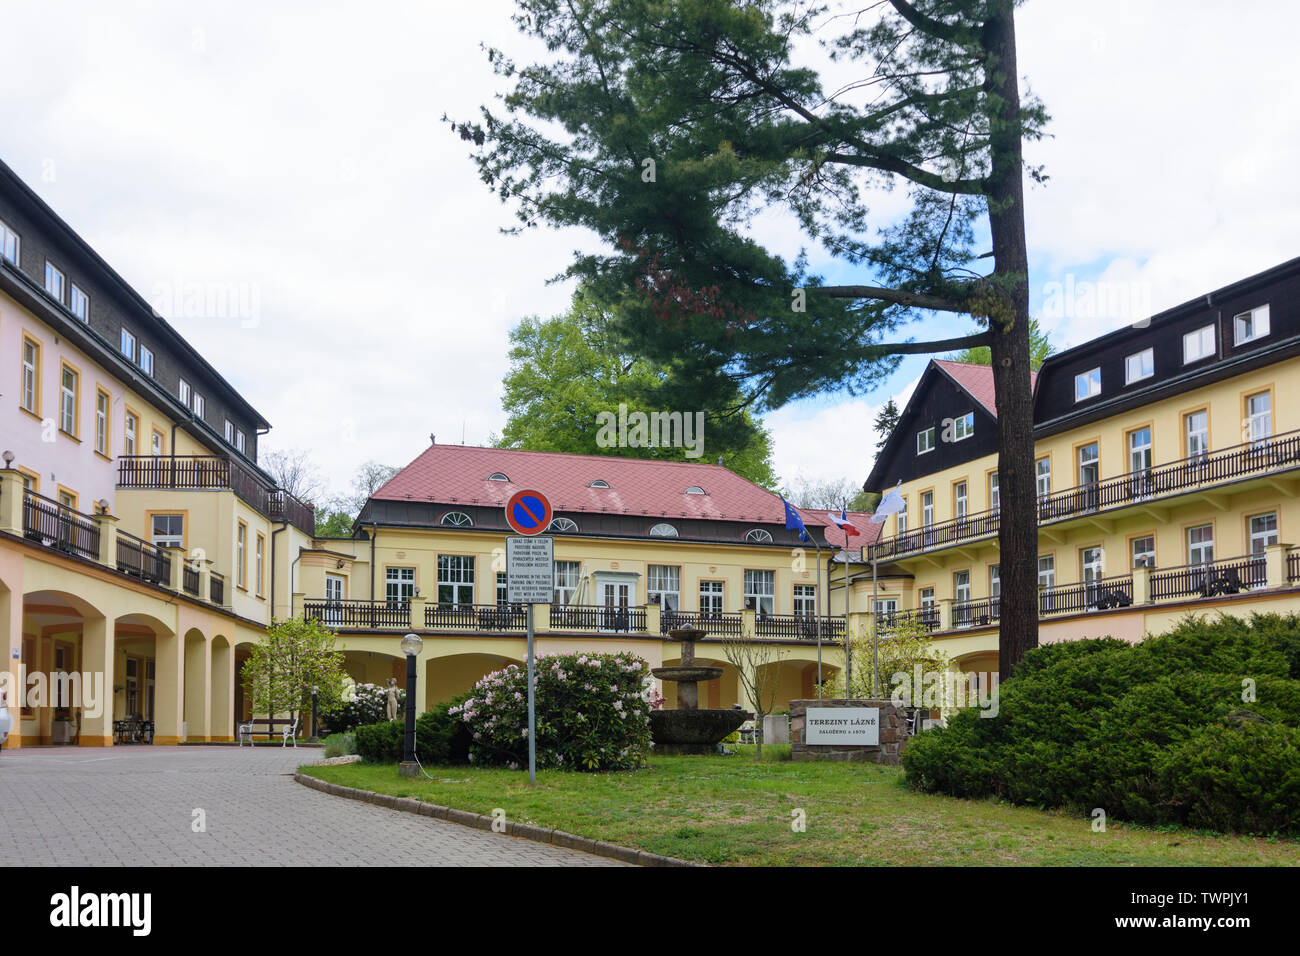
[
  {"x": 875, "y": 632},
  {"x": 813, "y": 539}
]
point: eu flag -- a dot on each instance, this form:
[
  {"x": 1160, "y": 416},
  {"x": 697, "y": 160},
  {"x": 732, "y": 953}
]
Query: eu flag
[{"x": 793, "y": 522}]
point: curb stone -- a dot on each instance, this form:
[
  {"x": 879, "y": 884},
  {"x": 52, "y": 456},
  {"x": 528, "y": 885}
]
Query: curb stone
[{"x": 478, "y": 821}]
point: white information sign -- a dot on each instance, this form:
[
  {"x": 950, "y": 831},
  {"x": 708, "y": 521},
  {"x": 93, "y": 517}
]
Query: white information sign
[
  {"x": 530, "y": 570},
  {"x": 843, "y": 726}
]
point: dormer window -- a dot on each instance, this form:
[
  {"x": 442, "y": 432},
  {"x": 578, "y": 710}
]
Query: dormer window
[
  {"x": 1139, "y": 365},
  {"x": 1250, "y": 325},
  {"x": 758, "y": 536},
  {"x": 457, "y": 519},
  {"x": 663, "y": 530},
  {"x": 563, "y": 524},
  {"x": 695, "y": 490},
  {"x": 8, "y": 244},
  {"x": 1087, "y": 384},
  {"x": 497, "y": 476},
  {"x": 1198, "y": 345},
  {"x": 599, "y": 483}
]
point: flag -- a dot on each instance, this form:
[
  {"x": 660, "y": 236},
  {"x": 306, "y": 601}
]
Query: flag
[
  {"x": 842, "y": 522},
  {"x": 793, "y": 522},
  {"x": 892, "y": 503}
]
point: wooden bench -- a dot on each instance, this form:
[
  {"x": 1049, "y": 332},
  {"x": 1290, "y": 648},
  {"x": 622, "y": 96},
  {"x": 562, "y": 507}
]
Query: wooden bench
[{"x": 286, "y": 727}]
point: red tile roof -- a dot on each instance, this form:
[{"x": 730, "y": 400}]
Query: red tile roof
[
  {"x": 459, "y": 474},
  {"x": 977, "y": 380}
]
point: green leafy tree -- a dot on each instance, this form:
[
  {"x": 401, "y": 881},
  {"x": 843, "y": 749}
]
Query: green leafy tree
[
  {"x": 1039, "y": 349},
  {"x": 666, "y": 128},
  {"x": 898, "y": 647},
  {"x": 886, "y": 422},
  {"x": 567, "y": 370},
  {"x": 331, "y": 523},
  {"x": 296, "y": 656}
]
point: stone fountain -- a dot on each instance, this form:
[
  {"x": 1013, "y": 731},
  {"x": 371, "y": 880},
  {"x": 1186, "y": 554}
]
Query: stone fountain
[{"x": 689, "y": 730}]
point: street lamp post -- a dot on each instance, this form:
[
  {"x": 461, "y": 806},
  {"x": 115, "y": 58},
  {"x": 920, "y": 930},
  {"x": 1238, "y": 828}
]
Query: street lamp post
[
  {"x": 411, "y": 647},
  {"x": 315, "y": 694}
]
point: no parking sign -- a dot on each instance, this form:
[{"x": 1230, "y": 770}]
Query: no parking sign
[{"x": 528, "y": 512}]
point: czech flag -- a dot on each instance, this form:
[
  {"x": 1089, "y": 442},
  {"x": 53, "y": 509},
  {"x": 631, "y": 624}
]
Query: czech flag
[{"x": 842, "y": 522}]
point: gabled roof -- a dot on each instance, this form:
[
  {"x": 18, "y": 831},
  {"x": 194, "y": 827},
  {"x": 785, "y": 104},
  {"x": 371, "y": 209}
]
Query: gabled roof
[
  {"x": 977, "y": 380},
  {"x": 461, "y": 474}
]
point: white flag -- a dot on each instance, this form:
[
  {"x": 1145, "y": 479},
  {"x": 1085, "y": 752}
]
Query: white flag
[{"x": 892, "y": 503}]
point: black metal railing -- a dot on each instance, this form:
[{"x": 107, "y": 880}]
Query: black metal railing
[
  {"x": 598, "y": 617},
  {"x": 476, "y": 617},
  {"x": 927, "y": 616},
  {"x": 1210, "y": 579},
  {"x": 190, "y": 580},
  {"x": 217, "y": 588},
  {"x": 1197, "y": 471},
  {"x": 359, "y": 613},
  {"x": 58, "y": 526},
  {"x": 143, "y": 560},
  {"x": 1097, "y": 595},
  {"x": 977, "y": 613},
  {"x": 1292, "y": 567},
  {"x": 804, "y": 627},
  {"x": 714, "y": 624}
]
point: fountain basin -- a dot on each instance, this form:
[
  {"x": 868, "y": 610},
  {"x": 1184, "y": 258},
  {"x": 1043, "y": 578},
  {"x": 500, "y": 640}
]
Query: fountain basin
[
  {"x": 693, "y": 731},
  {"x": 680, "y": 674}
]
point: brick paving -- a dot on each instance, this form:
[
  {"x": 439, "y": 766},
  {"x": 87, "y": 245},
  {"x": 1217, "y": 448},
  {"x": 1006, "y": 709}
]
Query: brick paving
[{"x": 134, "y": 806}]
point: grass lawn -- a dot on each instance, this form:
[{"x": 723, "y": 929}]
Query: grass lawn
[{"x": 731, "y": 810}]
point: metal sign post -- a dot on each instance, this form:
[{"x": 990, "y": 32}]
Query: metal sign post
[
  {"x": 532, "y": 716},
  {"x": 530, "y": 579}
]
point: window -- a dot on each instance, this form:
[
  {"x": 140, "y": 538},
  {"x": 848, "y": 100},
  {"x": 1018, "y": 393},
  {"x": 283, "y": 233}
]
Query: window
[
  {"x": 599, "y": 483},
  {"x": 146, "y": 360},
  {"x": 886, "y": 608},
  {"x": 961, "y": 596},
  {"x": 132, "y": 427},
  {"x": 1089, "y": 464},
  {"x": 758, "y": 535},
  {"x": 1250, "y": 325},
  {"x": 760, "y": 589},
  {"x": 167, "y": 531},
  {"x": 239, "y": 441},
  {"x": 695, "y": 490},
  {"x": 31, "y": 392},
  {"x": 1200, "y": 544},
  {"x": 455, "y": 579},
  {"x": 1043, "y": 477},
  {"x": 79, "y": 303},
  {"x": 805, "y": 600},
  {"x": 959, "y": 499},
  {"x": 102, "y": 405},
  {"x": 1087, "y": 384},
  {"x": 200, "y": 406},
  {"x": 1139, "y": 463},
  {"x": 126, "y": 345},
  {"x": 1198, "y": 345},
  {"x": 1093, "y": 563},
  {"x": 53, "y": 281},
  {"x": 68, "y": 498},
  {"x": 457, "y": 519},
  {"x": 927, "y": 509},
  {"x": 1144, "y": 551},
  {"x": 258, "y": 569},
  {"x": 566, "y": 581},
  {"x": 995, "y": 581},
  {"x": 927, "y": 598},
  {"x": 333, "y": 588},
  {"x": 1139, "y": 366},
  {"x": 663, "y": 530},
  {"x": 503, "y": 586},
  {"x": 183, "y": 392},
  {"x": 399, "y": 585},
  {"x": 8, "y": 244},
  {"x": 498, "y": 476},
  {"x": 1259, "y": 415},
  {"x": 156, "y": 443},
  {"x": 241, "y": 556},
  {"x": 964, "y": 427},
  {"x": 925, "y": 441},
  {"x": 1046, "y": 581},
  {"x": 711, "y": 594},
  {"x": 69, "y": 398},
  {"x": 1263, "y": 532},
  {"x": 1196, "y": 428},
  {"x": 563, "y": 524},
  {"x": 900, "y": 520},
  {"x": 995, "y": 493},
  {"x": 230, "y": 432},
  {"x": 664, "y": 586}
]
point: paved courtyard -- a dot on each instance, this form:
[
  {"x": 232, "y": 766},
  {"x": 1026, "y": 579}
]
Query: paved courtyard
[{"x": 135, "y": 806}]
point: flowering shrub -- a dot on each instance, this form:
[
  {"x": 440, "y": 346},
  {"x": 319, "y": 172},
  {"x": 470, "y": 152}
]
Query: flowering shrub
[
  {"x": 361, "y": 704},
  {"x": 593, "y": 713}
]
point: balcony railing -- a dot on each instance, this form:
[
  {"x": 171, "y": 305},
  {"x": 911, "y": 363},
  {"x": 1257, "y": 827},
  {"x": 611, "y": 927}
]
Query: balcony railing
[
  {"x": 598, "y": 617},
  {"x": 1212, "y": 578},
  {"x": 714, "y": 624},
  {"x": 217, "y": 588},
  {"x": 805, "y": 627},
  {"x": 927, "y": 616},
  {"x": 57, "y": 526},
  {"x": 360, "y": 613},
  {"x": 1095, "y": 595},
  {"x": 1186, "y": 474},
  {"x": 190, "y": 580},
  {"x": 476, "y": 617},
  {"x": 978, "y": 613},
  {"x": 210, "y": 472},
  {"x": 143, "y": 560}
]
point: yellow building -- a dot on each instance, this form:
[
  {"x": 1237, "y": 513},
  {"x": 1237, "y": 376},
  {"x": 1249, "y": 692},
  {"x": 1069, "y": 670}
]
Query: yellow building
[{"x": 1167, "y": 463}]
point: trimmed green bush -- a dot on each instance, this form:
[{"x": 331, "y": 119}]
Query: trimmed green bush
[
  {"x": 441, "y": 737},
  {"x": 1096, "y": 723},
  {"x": 381, "y": 743}
]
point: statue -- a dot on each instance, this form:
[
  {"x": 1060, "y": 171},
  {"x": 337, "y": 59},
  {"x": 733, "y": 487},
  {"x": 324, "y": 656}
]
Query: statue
[{"x": 392, "y": 698}]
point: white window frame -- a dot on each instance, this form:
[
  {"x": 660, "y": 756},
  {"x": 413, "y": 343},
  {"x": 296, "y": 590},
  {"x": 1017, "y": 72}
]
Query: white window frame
[
  {"x": 665, "y": 582},
  {"x": 960, "y": 499},
  {"x": 712, "y": 595},
  {"x": 805, "y": 600},
  {"x": 1198, "y": 344},
  {"x": 760, "y": 586},
  {"x": 1091, "y": 382},
  {"x": 78, "y": 302},
  {"x": 1255, "y": 323},
  {"x": 963, "y": 427},
  {"x": 230, "y": 432},
  {"x": 1147, "y": 556},
  {"x": 53, "y": 272},
  {"x": 124, "y": 337},
  {"x": 995, "y": 492},
  {"x": 146, "y": 360},
  {"x": 239, "y": 441},
  {"x": 10, "y": 244},
  {"x": 130, "y": 426},
  {"x": 1145, "y": 366},
  {"x": 399, "y": 585},
  {"x": 168, "y": 539},
  {"x": 925, "y": 441},
  {"x": 183, "y": 392},
  {"x": 102, "y": 415},
  {"x": 200, "y": 405},
  {"x": 29, "y": 398},
  {"x": 568, "y": 575},
  {"x": 1200, "y": 546},
  {"x": 1043, "y": 476},
  {"x": 1260, "y": 540},
  {"x": 68, "y": 398},
  {"x": 1197, "y": 436},
  {"x": 1259, "y": 423},
  {"x": 927, "y": 509}
]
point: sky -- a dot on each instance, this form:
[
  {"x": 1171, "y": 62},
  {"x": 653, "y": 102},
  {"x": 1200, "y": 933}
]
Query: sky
[{"x": 292, "y": 159}]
